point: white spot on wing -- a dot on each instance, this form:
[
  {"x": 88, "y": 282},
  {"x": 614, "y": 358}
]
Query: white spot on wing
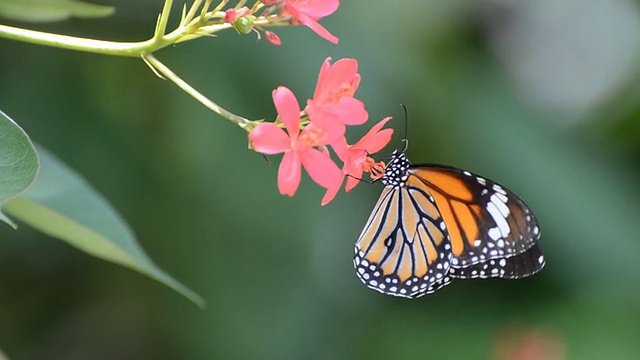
[
  {"x": 499, "y": 189},
  {"x": 494, "y": 233},
  {"x": 499, "y": 219},
  {"x": 502, "y": 197},
  {"x": 501, "y": 205}
]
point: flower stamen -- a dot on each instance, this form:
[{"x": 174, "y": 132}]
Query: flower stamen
[
  {"x": 313, "y": 137},
  {"x": 375, "y": 169}
]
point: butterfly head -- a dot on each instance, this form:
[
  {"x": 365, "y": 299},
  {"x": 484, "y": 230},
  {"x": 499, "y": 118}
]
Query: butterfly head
[{"x": 395, "y": 174}]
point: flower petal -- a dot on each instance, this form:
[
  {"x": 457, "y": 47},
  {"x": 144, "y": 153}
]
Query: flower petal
[
  {"x": 315, "y": 8},
  {"x": 378, "y": 141},
  {"x": 315, "y": 26},
  {"x": 288, "y": 109},
  {"x": 324, "y": 69},
  {"x": 268, "y": 138},
  {"x": 330, "y": 194},
  {"x": 350, "y": 111},
  {"x": 354, "y": 161},
  {"x": 321, "y": 168},
  {"x": 289, "y": 173},
  {"x": 353, "y": 180},
  {"x": 375, "y": 140},
  {"x": 340, "y": 147}
]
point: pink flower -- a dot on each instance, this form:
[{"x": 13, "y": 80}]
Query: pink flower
[
  {"x": 356, "y": 159},
  {"x": 298, "y": 146},
  {"x": 307, "y": 12},
  {"x": 333, "y": 99}
]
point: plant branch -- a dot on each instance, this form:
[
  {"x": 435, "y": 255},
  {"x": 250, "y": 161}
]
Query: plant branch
[
  {"x": 191, "y": 26},
  {"x": 168, "y": 74}
]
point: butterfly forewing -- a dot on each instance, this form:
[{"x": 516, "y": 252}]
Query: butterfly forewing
[
  {"x": 404, "y": 248},
  {"x": 486, "y": 222}
]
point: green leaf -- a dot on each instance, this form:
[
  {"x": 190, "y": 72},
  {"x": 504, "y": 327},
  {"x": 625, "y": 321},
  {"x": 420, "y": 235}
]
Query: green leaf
[
  {"x": 61, "y": 204},
  {"x": 18, "y": 162},
  {"x": 51, "y": 10}
]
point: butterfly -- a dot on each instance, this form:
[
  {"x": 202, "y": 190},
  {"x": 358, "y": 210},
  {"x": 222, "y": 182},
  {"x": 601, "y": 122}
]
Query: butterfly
[{"x": 434, "y": 223}]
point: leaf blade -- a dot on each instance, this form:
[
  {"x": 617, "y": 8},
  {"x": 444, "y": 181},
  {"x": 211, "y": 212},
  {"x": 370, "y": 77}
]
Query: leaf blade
[
  {"x": 51, "y": 10},
  {"x": 19, "y": 162},
  {"x": 61, "y": 204}
]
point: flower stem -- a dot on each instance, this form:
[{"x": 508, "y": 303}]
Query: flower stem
[{"x": 245, "y": 124}]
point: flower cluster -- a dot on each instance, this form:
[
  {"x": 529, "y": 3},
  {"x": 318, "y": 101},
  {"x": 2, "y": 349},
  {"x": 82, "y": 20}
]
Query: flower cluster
[{"x": 322, "y": 124}]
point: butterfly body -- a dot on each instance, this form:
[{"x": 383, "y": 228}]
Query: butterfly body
[{"x": 435, "y": 223}]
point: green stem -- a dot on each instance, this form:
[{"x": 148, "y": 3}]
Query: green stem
[
  {"x": 245, "y": 124},
  {"x": 192, "y": 10},
  {"x": 132, "y": 49}
]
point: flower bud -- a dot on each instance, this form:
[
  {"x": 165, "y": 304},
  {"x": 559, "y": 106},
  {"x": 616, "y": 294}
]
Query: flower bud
[
  {"x": 272, "y": 38},
  {"x": 245, "y": 24},
  {"x": 230, "y": 16}
]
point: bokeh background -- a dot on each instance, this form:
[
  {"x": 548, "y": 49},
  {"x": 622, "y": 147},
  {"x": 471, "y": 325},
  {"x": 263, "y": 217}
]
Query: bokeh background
[{"x": 542, "y": 96}]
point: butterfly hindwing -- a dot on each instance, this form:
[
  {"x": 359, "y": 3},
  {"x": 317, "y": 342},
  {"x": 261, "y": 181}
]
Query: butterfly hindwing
[{"x": 515, "y": 267}]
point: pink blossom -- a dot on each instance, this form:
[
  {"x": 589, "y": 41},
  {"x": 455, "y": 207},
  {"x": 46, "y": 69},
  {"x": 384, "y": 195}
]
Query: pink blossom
[
  {"x": 299, "y": 147},
  {"x": 333, "y": 99},
  {"x": 356, "y": 157},
  {"x": 308, "y": 12}
]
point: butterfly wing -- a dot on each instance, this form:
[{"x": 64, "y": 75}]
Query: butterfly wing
[
  {"x": 515, "y": 267},
  {"x": 493, "y": 233},
  {"x": 404, "y": 248}
]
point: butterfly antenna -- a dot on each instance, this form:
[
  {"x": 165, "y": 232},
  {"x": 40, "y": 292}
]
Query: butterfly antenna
[{"x": 406, "y": 127}]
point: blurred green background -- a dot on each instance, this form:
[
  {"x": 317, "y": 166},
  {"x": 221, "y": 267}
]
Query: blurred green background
[{"x": 543, "y": 97}]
